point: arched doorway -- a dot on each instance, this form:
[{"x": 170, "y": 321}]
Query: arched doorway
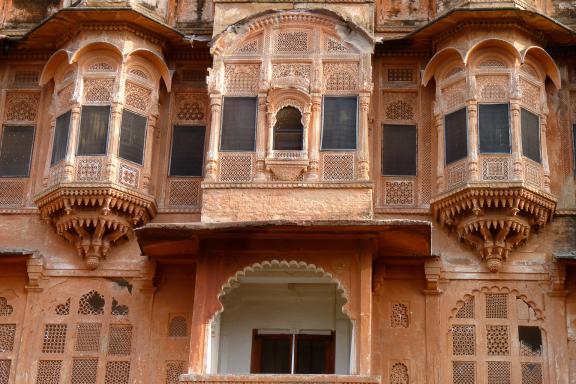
[{"x": 281, "y": 317}]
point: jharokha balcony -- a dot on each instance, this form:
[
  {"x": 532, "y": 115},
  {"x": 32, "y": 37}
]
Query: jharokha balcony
[{"x": 493, "y": 176}]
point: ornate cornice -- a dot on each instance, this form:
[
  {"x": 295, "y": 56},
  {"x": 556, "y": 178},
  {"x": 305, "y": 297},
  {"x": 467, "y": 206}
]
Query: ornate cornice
[{"x": 494, "y": 218}]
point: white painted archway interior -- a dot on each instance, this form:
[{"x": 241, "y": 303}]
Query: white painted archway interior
[{"x": 279, "y": 299}]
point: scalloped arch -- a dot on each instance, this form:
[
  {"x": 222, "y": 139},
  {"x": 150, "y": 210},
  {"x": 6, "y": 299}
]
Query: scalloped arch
[
  {"x": 53, "y": 64},
  {"x": 234, "y": 281},
  {"x": 99, "y": 45},
  {"x": 495, "y": 289},
  {"x": 158, "y": 62},
  {"x": 546, "y": 62},
  {"x": 440, "y": 58},
  {"x": 500, "y": 43},
  {"x": 346, "y": 30}
]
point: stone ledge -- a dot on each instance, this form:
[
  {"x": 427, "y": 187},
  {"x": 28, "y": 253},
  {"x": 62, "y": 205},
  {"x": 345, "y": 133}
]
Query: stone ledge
[{"x": 279, "y": 379}]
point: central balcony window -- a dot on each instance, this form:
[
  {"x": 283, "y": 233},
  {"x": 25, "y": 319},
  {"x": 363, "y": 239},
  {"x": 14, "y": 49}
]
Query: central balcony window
[{"x": 289, "y": 130}]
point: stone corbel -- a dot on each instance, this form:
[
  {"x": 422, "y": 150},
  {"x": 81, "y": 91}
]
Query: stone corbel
[
  {"x": 557, "y": 272},
  {"x": 433, "y": 275}
]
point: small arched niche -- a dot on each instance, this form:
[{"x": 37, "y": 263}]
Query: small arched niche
[
  {"x": 283, "y": 318},
  {"x": 288, "y": 130}
]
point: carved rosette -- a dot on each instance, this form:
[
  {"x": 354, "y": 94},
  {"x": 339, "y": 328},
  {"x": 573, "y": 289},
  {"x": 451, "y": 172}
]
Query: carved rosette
[
  {"x": 494, "y": 219},
  {"x": 93, "y": 217}
]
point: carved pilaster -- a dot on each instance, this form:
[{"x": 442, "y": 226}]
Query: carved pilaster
[
  {"x": 314, "y": 149},
  {"x": 473, "y": 167},
  {"x": 261, "y": 131},
  {"x": 516, "y": 140},
  {"x": 212, "y": 156},
  {"x": 438, "y": 124},
  {"x": 363, "y": 150},
  {"x": 113, "y": 142},
  {"x": 72, "y": 142},
  {"x": 146, "y": 174},
  {"x": 543, "y": 143}
]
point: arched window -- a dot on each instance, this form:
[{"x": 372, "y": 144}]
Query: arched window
[{"x": 288, "y": 131}]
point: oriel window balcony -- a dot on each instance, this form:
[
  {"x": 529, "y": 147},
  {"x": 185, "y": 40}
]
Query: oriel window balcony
[
  {"x": 493, "y": 177},
  {"x": 97, "y": 176}
]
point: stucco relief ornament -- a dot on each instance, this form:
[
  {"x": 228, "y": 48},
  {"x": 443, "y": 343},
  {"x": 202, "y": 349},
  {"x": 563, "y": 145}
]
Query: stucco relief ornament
[{"x": 214, "y": 80}]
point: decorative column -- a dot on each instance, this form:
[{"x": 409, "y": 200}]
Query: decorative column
[
  {"x": 516, "y": 139},
  {"x": 270, "y": 130},
  {"x": 314, "y": 132},
  {"x": 113, "y": 141},
  {"x": 365, "y": 319},
  {"x": 72, "y": 143},
  {"x": 306, "y": 119},
  {"x": 473, "y": 167},
  {"x": 147, "y": 171},
  {"x": 46, "y": 177},
  {"x": 212, "y": 156},
  {"x": 434, "y": 320},
  {"x": 544, "y": 146},
  {"x": 260, "y": 174},
  {"x": 363, "y": 150},
  {"x": 440, "y": 182}
]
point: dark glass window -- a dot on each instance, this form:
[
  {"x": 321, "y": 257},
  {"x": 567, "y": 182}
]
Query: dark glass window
[
  {"x": 187, "y": 157},
  {"x": 238, "y": 124},
  {"x": 61, "y": 132},
  {"x": 456, "y": 135},
  {"x": 530, "y": 135},
  {"x": 339, "y": 122},
  {"x": 314, "y": 354},
  {"x": 132, "y": 137},
  {"x": 530, "y": 339},
  {"x": 274, "y": 353},
  {"x": 494, "y": 128},
  {"x": 16, "y": 150},
  {"x": 399, "y": 150},
  {"x": 93, "y": 135},
  {"x": 574, "y": 145},
  {"x": 288, "y": 131}
]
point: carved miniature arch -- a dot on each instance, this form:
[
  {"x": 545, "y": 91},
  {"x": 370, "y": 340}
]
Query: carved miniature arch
[
  {"x": 58, "y": 59},
  {"x": 493, "y": 45},
  {"x": 495, "y": 289},
  {"x": 99, "y": 61},
  {"x": 281, "y": 98},
  {"x": 157, "y": 62},
  {"x": 235, "y": 280},
  {"x": 87, "y": 52},
  {"x": 436, "y": 65},
  {"x": 247, "y": 29},
  {"x": 538, "y": 57}
]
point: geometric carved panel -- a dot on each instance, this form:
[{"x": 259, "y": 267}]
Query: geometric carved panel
[
  {"x": 495, "y": 168},
  {"x": 463, "y": 340},
  {"x": 128, "y": 176},
  {"x": 341, "y": 77},
  {"x": 399, "y": 316},
  {"x": 5, "y": 371},
  {"x": 236, "y": 167},
  {"x": 338, "y": 166},
  {"x": 174, "y": 369},
  {"x": 463, "y": 372},
  {"x": 98, "y": 90},
  {"x": 184, "y": 192},
  {"x": 398, "y": 192},
  {"x": 12, "y": 193},
  {"x": 22, "y": 106},
  {"x": 49, "y": 372},
  {"x": 399, "y": 374},
  {"x": 400, "y": 106},
  {"x": 499, "y": 372},
  {"x": 497, "y": 340},
  {"x": 88, "y": 169}
]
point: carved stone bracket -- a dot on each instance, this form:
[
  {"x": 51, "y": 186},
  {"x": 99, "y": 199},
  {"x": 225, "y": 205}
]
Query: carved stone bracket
[
  {"x": 93, "y": 217},
  {"x": 494, "y": 218}
]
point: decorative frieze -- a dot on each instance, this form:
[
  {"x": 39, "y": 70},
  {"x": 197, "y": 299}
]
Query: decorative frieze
[{"x": 241, "y": 79}]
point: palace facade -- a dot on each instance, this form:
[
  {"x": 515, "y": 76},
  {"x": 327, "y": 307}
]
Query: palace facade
[{"x": 277, "y": 192}]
